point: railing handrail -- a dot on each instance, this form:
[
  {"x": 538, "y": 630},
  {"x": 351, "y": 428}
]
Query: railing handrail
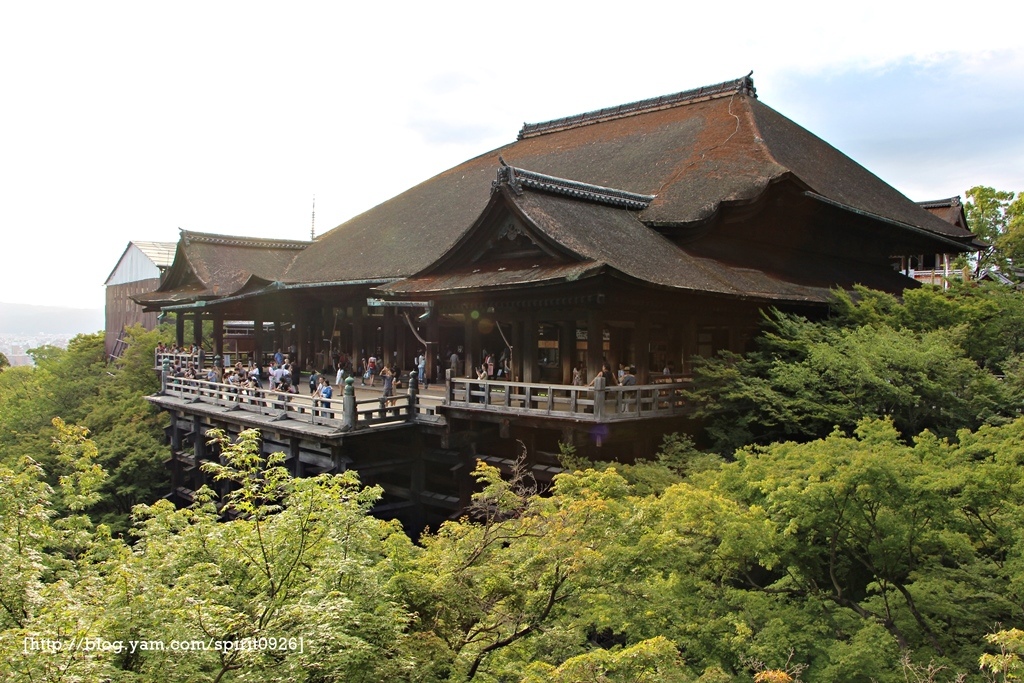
[
  {"x": 334, "y": 411},
  {"x": 569, "y": 401},
  {"x": 197, "y": 357}
]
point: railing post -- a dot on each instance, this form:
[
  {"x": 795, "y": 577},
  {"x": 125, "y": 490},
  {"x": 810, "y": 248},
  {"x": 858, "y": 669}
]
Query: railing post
[
  {"x": 348, "y": 405},
  {"x": 449, "y": 386},
  {"x": 163, "y": 375},
  {"x": 599, "y": 384},
  {"x": 413, "y": 395}
]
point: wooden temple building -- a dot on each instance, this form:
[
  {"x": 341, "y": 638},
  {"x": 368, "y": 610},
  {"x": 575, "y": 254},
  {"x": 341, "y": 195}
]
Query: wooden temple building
[{"x": 645, "y": 234}]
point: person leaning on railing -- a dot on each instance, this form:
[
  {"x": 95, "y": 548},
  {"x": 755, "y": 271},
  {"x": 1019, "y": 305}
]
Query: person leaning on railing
[
  {"x": 324, "y": 393},
  {"x": 607, "y": 374},
  {"x": 481, "y": 373},
  {"x": 388, "y": 395}
]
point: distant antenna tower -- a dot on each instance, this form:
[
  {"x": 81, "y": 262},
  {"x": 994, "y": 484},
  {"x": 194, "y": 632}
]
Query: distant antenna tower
[{"x": 312, "y": 225}]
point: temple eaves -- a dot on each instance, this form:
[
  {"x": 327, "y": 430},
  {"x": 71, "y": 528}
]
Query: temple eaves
[
  {"x": 742, "y": 86},
  {"x": 517, "y": 178}
]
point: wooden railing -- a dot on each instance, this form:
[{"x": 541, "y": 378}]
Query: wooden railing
[
  {"x": 560, "y": 401},
  {"x": 182, "y": 358},
  {"x": 338, "y": 411},
  {"x": 593, "y": 404}
]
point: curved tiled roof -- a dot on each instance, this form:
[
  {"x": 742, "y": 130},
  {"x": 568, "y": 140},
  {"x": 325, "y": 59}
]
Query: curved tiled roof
[
  {"x": 694, "y": 152},
  {"x": 603, "y": 238},
  {"x": 208, "y": 265}
]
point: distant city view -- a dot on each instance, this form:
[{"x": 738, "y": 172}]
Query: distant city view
[
  {"x": 24, "y": 327},
  {"x": 16, "y": 346}
]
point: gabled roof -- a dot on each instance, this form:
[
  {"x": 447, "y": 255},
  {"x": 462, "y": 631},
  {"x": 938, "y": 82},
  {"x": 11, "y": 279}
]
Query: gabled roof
[
  {"x": 951, "y": 210},
  {"x": 208, "y": 265},
  {"x": 695, "y": 152},
  {"x": 583, "y": 234}
]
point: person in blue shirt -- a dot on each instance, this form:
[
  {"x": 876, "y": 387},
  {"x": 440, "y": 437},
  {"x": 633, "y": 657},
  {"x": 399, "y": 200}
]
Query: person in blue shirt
[{"x": 325, "y": 392}]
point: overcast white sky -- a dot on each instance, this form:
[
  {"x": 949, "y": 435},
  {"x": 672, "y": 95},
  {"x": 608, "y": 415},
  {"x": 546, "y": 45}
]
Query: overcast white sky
[{"x": 124, "y": 121}]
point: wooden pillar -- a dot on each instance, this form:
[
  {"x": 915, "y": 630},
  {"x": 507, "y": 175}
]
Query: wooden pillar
[
  {"x": 293, "y": 450},
  {"x": 197, "y": 329},
  {"x": 567, "y": 348},
  {"x": 403, "y": 338},
  {"x": 519, "y": 348},
  {"x": 179, "y": 329},
  {"x": 257, "y": 332},
  {"x": 176, "y": 446},
  {"x": 595, "y": 342},
  {"x": 358, "y": 335},
  {"x": 642, "y": 344},
  {"x": 531, "y": 373},
  {"x": 278, "y": 336},
  {"x": 472, "y": 348},
  {"x": 218, "y": 334},
  {"x": 198, "y": 440},
  {"x": 390, "y": 346},
  {"x": 435, "y": 360},
  {"x": 302, "y": 356}
]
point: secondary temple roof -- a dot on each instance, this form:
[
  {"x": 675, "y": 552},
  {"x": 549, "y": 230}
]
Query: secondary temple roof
[
  {"x": 208, "y": 266},
  {"x": 588, "y": 235}
]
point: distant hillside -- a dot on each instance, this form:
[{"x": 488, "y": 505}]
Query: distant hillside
[{"x": 26, "y": 319}]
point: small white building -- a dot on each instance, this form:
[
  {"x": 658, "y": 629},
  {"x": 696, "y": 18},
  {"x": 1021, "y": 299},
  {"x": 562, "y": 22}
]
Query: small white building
[{"x": 137, "y": 271}]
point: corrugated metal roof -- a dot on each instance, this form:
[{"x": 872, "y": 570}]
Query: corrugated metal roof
[{"x": 160, "y": 253}]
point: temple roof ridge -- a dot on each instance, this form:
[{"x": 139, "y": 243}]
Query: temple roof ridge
[
  {"x": 949, "y": 202},
  {"x": 517, "y": 178},
  {"x": 189, "y": 237},
  {"x": 744, "y": 86}
]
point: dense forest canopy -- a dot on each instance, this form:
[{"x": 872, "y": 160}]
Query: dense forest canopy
[{"x": 855, "y": 516}]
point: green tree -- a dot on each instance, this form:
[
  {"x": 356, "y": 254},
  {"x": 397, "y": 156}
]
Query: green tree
[
  {"x": 301, "y": 558},
  {"x": 301, "y": 568},
  {"x": 495, "y": 585},
  {"x": 1006, "y": 665},
  {"x": 806, "y": 378},
  {"x": 77, "y": 385},
  {"x": 998, "y": 220},
  {"x": 911, "y": 538}
]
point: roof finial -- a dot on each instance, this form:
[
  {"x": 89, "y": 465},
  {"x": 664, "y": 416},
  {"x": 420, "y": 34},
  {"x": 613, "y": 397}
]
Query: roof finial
[
  {"x": 747, "y": 85},
  {"x": 506, "y": 176},
  {"x": 312, "y": 225}
]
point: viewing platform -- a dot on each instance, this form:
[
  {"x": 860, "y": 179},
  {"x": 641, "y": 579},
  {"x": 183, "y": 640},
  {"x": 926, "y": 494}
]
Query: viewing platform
[
  {"x": 338, "y": 414},
  {"x": 347, "y": 413}
]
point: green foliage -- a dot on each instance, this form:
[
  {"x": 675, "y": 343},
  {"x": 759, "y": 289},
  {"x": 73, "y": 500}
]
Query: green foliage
[
  {"x": 1006, "y": 665},
  {"x": 78, "y": 386},
  {"x": 302, "y": 567},
  {"x": 848, "y": 558},
  {"x": 651, "y": 661},
  {"x": 998, "y": 219},
  {"x": 676, "y": 460},
  {"x": 924, "y": 363},
  {"x": 876, "y": 551}
]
